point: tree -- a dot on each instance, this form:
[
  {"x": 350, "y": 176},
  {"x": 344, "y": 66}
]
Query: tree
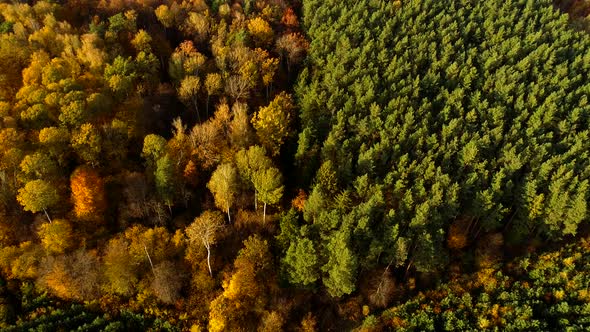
[
  {"x": 56, "y": 237},
  {"x": 238, "y": 87},
  {"x": 268, "y": 68},
  {"x": 308, "y": 324},
  {"x": 250, "y": 162},
  {"x": 168, "y": 281},
  {"x": 292, "y": 47},
  {"x": 341, "y": 266},
  {"x": 165, "y": 178},
  {"x": 38, "y": 166},
  {"x": 301, "y": 262},
  {"x": 87, "y": 143},
  {"x": 204, "y": 229},
  {"x": 268, "y": 183},
  {"x": 214, "y": 86},
  {"x": 56, "y": 141},
  {"x": 261, "y": 31},
  {"x": 256, "y": 253},
  {"x": 154, "y": 147},
  {"x": 165, "y": 16},
  {"x": 73, "y": 114},
  {"x": 189, "y": 92},
  {"x": 120, "y": 75},
  {"x": 120, "y": 269},
  {"x": 142, "y": 41},
  {"x": 271, "y": 321},
  {"x": 147, "y": 67},
  {"x": 73, "y": 277},
  {"x": 88, "y": 194},
  {"x": 223, "y": 186},
  {"x": 273, "y": 122},
  {"x": 289, "y": 19},
  {"x": 197, "y": 25},
  {"x": 38, "y": 195},
  {"x": 185, "y": 61},
  {"x": 240, "y": 130}
]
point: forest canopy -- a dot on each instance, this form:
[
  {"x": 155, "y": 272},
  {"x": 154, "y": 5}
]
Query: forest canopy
[
  {"x": 270, "y": 165},
  {"x": 424, "y": 117}
]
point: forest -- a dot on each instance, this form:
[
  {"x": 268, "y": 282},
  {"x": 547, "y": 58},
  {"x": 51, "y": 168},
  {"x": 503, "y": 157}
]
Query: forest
[{"x": 294, "y": 165}]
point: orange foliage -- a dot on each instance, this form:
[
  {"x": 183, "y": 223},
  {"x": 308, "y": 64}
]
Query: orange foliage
[
  {"x": 289, "y": 19},
  {"x": 308, "y": 324},
  {"x": 88, "y": 194},
  {"x": 299, "y": 202},
  {"x": 190, "y": 173}
]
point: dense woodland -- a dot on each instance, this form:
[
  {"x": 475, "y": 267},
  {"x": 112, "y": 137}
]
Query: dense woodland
[{"x": 315, "y": 165}]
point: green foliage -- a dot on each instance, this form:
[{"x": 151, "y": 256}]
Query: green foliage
[
  {"x": 301, "y": 262},
  {"x": 546, "y": 291},
  {"x": 436, "y": 137},
  {"x": 341, "y": 266},
  {"x": 422, "y": 112},
  {"x": 120, "y": 75},
  {"x": 165, "y": 179}
]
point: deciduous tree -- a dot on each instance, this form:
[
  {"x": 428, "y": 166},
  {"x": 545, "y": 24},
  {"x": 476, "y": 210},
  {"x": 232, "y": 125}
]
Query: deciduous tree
[
  {"x": 88, "y": 194},
  {"x": 38, "y": 195},
  {"x": 223, "y": 186},
  {"x": 204, "y": 230},
  {"x": 273, "y": 122},
  {"x": 268, "y": 183}
]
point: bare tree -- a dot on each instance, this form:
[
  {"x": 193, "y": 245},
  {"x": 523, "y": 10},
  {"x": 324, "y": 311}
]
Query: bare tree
[{"x": 204, "y": 229}]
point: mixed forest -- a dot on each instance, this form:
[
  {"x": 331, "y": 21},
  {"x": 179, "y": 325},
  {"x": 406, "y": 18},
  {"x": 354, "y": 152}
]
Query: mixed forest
[{"x": 294, "y": 165}]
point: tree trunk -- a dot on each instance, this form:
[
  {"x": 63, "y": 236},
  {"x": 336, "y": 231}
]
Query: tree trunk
[
  {"x": 196, "y": 108},
  {"x": 255, "y": 202},
  {"x": 264, "y": 215},
  {"x": 209, "y": 260},
  {"x": 207, "y": 105},
  {"x": 228, "y": 216},
  {"x": 149, "y": 259},
  {"x": 47, "y": 215}
]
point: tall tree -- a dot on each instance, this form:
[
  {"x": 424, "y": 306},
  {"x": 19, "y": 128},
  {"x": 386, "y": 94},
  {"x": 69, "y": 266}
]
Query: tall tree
[
  {"x": 204, "y": 229},
  {"x": 165, "y": 177},
  {"x": 56, "y": 237},
  {"x": 38, "y": 195},
  {"x": 301, "y": 262},
  {"x": 268, "y": 183},
  {"x": 223, "y": 186},
  {"x": 250, "y": 162},
  {"x": 273, "y": 122},
  {"x": 214, "y": 86},
  {"x": 189, "y": 92},
  {"x": 88, "y": 194},
  {"x": 87, "y": 143}
]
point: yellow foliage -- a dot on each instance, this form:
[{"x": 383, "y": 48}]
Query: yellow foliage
[
  {"x": 242, "y": 284},
  {"x": 261, "y": 31},
  {"x": 20, "y": 262},
  {"x": 217, "y": 315},
  {"x": 559, "y": 295},
  {"x": 272, "y": 123},
  {"x": 195, "y": 328},
  {"x": 56, "y": 237},
  {"x": 483, "y": 323},
  {"x": 57, "y": 280}
]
